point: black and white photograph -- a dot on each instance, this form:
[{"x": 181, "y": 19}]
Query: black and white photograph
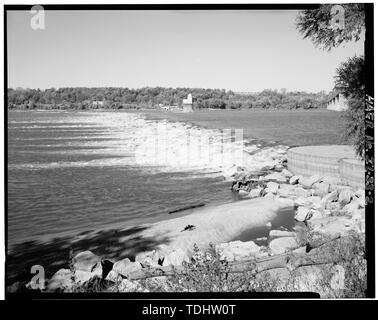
[{"x": 213, "y": 150}]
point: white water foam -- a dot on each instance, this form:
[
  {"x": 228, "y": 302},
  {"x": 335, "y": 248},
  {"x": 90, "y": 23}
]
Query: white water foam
[{"x": 131, "y": 140}]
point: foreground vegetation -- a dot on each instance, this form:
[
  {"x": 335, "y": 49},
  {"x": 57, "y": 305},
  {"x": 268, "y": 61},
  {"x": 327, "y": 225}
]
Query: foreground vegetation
[
  {"x": 207, "y": 272},
  {"x": 124, "y": 98}
]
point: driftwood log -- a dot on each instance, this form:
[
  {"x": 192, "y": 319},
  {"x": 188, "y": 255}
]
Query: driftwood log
[
  {"x": 289, "y": 260},
  {"x": 187, "y": 208}
]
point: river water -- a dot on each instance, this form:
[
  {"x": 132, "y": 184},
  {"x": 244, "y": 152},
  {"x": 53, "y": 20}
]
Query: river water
[{"x": 70, "y": 172}]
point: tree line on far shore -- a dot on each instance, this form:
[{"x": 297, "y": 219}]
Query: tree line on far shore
[{"x": 125, "y": 98}]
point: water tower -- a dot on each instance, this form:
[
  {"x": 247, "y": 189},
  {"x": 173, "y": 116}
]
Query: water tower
[{"x": 187, "y": 104}]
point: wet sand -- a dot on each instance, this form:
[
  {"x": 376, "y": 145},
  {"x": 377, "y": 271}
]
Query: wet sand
[{"x": 216, "y": 224}]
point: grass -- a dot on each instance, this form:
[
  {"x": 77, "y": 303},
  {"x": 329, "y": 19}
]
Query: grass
[{"x": 288, "y": 127}]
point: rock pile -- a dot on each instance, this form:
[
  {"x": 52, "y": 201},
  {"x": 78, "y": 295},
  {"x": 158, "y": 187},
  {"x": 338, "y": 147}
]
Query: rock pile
[
  {"x": 316, "y": 198},
  {"x": 87, "y": 266}
]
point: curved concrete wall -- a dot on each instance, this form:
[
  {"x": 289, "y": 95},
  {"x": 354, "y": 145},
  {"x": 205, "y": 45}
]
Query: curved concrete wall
[
  {"x": 335, "y": 161},
  {"x": 352, "y": 171}
]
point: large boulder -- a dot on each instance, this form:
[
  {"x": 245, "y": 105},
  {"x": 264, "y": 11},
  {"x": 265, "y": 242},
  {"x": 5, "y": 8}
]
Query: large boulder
[
  {"x": 125, "y": 267},
  {"x": 282, "y": 245},
  {"x": 315, "y": 202},
  {"x": 331, "y": 225},
  {"x": 321, "y": 188},
  {"x": 237, "y": 250},
  {"x": 271, "y": 187},
  {"x": 243, "y": 193},
  {"x": 353, "y": 206},
  {"x": 62, "y": 280},
  {"x": 286, "y": 173},
  {"x": 278, "y": 167},
  {"x": 85, "y": 261},
  {"x": 286, "y": 201},
  {"x": 333, "y": 207},
  {"x": 300, "y": 201},
  {"x": 175, "y": 258},
  {"x": 275, "y": 176},
  {"x": 305, "y": 213},
  {"x": 113, "y": 276},
  {"x": 300, "y": 192},
  {"x": 307, "y": 182},
  {"x": 345, "y": 196},
  {"x": 253, "y": 174},
  {"x": 255, "y": 193},
  {"x": 330, "y": 197},
  {"x": 285, "y": 190},
  {"x": 82, "y": 276},
  {"x": 294, "y": 179},
  {"x": 270, "y": 196},
  {"x": 86, "y": 266},
  {"x": 302, "y": 214},
  {"x": 280, "y": 234},
  {"x": 148, "y": 259},
  {"x": 314, "y": 214}
]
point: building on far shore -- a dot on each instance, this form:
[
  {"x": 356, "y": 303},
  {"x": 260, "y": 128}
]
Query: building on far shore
[
  {"x": 168, "y": 108},
  {"x": 98, "y": 103},
  {"x": 337, "y": 101},
  {"x": 187, "y": 104}
]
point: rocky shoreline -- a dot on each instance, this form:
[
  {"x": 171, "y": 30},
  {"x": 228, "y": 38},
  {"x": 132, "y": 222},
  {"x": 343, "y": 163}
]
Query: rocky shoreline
[{"x": 323, "y": 207}]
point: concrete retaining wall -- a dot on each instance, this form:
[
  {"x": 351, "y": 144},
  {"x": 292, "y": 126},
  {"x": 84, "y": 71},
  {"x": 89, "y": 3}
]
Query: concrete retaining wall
[
  {"x": 352, "y": 171},
  {"x": 335, "y": 161}
]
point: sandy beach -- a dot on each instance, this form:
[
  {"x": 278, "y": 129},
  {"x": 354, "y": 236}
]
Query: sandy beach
[{"x": 217, "y": 224}]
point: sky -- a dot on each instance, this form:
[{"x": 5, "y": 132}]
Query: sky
[{"x": 246, "y": 51}]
